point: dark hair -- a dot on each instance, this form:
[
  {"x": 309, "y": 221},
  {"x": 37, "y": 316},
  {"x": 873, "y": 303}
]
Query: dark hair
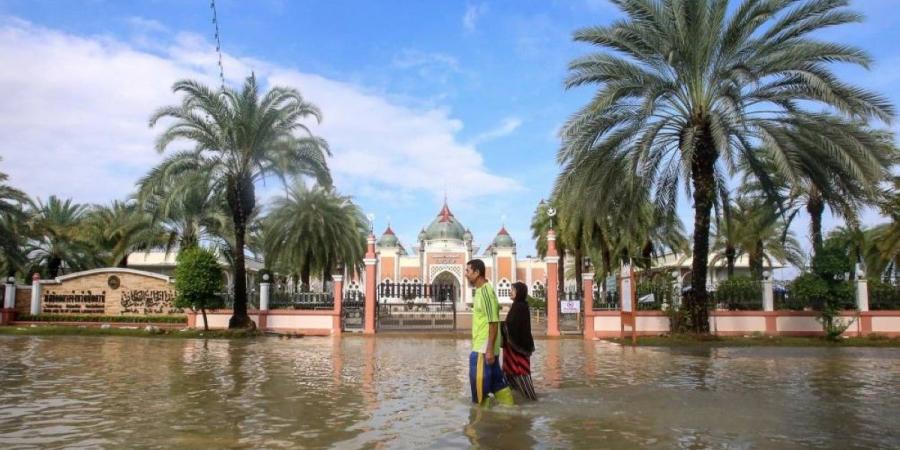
[
  {"x": 477, "y": 265},
  {"x": 521, "y": 291}
]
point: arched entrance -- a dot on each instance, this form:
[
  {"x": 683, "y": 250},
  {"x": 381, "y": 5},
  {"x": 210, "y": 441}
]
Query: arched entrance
[{"x": 446, "y": 278}]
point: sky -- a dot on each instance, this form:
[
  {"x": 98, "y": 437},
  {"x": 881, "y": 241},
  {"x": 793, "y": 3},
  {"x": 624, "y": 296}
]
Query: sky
[{"x": 420, "y": 99}]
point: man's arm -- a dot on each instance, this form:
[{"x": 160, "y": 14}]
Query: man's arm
[{"x": 492, "y": 337}]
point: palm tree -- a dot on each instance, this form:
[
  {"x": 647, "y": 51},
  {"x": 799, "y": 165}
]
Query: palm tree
[
  {"x": 120, "y": 228},
  {"x": 13, "y": 227},
  {"x": 757, "y": 230},
  {"x": 239, "y": 139},
  {"x": 815, "y": 176},
  {"x": 315, "y": 230},
  {"x": 186, "y": 204},
  {"x": 687, "y": 90},
  {"x": 60, "y": 239}
]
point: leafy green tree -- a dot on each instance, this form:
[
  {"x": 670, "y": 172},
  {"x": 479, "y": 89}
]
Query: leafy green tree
[
  {"x": 240, "y": 138},
  {"x": 688, "y": 89},
  {"x": 315, "y": 230},
  {"x": 198, "y": 281}
]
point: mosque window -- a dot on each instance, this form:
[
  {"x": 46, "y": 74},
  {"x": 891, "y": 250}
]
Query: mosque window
[{"x": 503, "y": 288}]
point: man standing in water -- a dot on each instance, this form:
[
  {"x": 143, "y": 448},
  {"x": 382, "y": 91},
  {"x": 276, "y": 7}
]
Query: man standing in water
[{"x": 485, "y": 375}]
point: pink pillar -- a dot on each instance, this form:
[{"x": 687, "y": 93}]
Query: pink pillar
[
  {"x": 336, "y": 327},
  {"x": 587, "y": 285},
  {"x": 370, "y": 261},
  {"x": 552, "y": 260}
]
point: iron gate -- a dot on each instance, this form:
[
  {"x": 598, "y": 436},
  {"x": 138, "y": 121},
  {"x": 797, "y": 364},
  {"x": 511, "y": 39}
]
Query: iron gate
[
  {"x": 570, "y": 321},
  {"x": 353, "y": 311},
  {"x": 416, "y": 307}
]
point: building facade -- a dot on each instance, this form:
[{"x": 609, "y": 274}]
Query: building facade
[{"x": 440, "y": 255}]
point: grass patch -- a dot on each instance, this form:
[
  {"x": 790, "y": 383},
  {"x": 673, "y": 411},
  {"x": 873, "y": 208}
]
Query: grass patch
[
  {"x": 57, "y": 330},
  {"x": 101, "y": 318},
  {"x": 688, "y": 340}
]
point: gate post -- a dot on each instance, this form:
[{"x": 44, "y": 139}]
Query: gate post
[
  {"x": 337, "y": 324},
  {"x": 552, "y": 260},
  {"x": 371, "y": 260},
  {"x": 36, "y": 294},
  {"x": 265, "y": 291},
  {"x": 9, "y": 302},
  {"x": 587, "y": 285}
]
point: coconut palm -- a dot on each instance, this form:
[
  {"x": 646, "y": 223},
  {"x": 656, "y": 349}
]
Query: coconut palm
[
  {"x": 59, "y": 237},
  {"x": 315, "y": 230},
  {"x": 687, "y": 89},
  {"x": 240, "y": 138}
]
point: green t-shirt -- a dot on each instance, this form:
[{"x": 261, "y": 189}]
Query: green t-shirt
[{"x": 485, "y": 310}]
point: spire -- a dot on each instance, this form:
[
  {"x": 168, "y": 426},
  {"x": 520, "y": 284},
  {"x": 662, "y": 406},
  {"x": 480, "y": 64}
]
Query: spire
[
  {"x": 503, "y": 231},
  {"x": 445, "y": 213},
  {"x": 389, "y": 231}
]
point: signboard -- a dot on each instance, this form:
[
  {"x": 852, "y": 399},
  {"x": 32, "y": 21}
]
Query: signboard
[
  {"x": 570, "y": 306},
  {"x": 611, "y": 283},
  {"x": 111, "y": 291},
  {"x": 625, "y": 295}
]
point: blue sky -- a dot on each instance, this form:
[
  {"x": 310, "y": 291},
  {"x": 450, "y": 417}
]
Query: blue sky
[{"x": 419, "y": 98}]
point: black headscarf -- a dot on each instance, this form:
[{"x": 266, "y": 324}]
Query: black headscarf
[{"x": 518, "y": 322}]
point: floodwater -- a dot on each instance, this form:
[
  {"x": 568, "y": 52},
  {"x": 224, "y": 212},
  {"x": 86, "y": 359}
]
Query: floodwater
[{"x": 412, "y": 392}]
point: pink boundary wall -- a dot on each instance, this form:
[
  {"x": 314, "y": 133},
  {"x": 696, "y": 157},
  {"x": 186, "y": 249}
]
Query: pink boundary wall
[
  {"x": 310, "y": 323},
  {"x": 604, "y": 324}
]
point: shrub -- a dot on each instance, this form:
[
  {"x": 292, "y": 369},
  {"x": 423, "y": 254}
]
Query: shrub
[
  {"x": 739, "y": 293},
  {"x": 536, "y": 303},
  {"x": 807, "y": 290},
  {"x": 883, "y": 296},
  {"x": 198, "y": 279}
]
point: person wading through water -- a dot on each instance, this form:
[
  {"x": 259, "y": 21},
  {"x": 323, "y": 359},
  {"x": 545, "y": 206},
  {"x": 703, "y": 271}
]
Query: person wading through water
[
  {"x": 485, "y": 375},
  {"x": 518, "y": 343}
]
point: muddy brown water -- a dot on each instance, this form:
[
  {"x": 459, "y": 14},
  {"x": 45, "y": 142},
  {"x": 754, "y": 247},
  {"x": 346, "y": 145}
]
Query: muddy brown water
[{"x": 412, "y": 392}]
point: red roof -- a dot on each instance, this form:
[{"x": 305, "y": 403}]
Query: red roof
[
  {"x": 445, "y": 213},
  {"x": 389, "y": 231}
]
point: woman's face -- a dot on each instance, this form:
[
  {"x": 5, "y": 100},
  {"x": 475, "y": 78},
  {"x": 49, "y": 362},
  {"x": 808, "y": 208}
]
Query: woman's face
[{"x": 512, "y": 292}]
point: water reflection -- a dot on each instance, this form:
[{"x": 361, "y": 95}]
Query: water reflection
[{"x": 412, "y": 392}]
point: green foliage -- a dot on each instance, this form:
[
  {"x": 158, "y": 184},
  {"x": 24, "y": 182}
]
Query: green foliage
[
  {"x": 198, "y": 280},
  {"x": 831, "y": 262},
  {"x": 100, "y": 318},
  {"x": 536, "y": 303},
  {"x": 739, "y": 293},
  {"x": 883, "y": 296},
  {"x": 807, "y": 290}
]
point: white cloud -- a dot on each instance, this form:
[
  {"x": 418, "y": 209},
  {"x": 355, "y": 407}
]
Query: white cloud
[
  {"x": 473, "y": 13},
  {"x": 74, "y": 119},
  {"x": 506, "y": 127}
]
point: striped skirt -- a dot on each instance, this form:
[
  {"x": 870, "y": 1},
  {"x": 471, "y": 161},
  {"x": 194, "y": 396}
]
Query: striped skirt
[{"x": 517, "y": 369}]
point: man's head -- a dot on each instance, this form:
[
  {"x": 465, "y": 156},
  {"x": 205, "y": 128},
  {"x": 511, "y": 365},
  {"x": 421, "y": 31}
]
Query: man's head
[{"x": 474, "y": 270}]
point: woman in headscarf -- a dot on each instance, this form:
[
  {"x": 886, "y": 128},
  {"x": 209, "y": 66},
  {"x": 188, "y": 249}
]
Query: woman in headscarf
[{"x": 518, "y": 344}]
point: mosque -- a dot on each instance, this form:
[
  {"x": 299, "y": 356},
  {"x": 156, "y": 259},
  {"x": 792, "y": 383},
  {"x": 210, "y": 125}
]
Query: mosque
[{"x": 441, "y": 253}]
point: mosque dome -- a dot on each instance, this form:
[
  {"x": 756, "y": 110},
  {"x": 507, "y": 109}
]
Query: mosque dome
[
  {"x": 503, "y": 239},
  {"x": 445, "y": 227},
  {"x": 388, "y": 239}
]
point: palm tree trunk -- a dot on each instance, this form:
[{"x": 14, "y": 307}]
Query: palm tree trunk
[
  {"x": 815, "y": 207},
  {"x": 123, "y": 262},
  {"x": 579, "y": 269},
  {"x": 304, "y": 278},
  {"x": 240, "y": 197},
  {"x": 53, "y": 266},
  {"x": 730, "y": 256},
  {"x": 756, "y": 261},
  {"x": 703, "y": 178}
]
